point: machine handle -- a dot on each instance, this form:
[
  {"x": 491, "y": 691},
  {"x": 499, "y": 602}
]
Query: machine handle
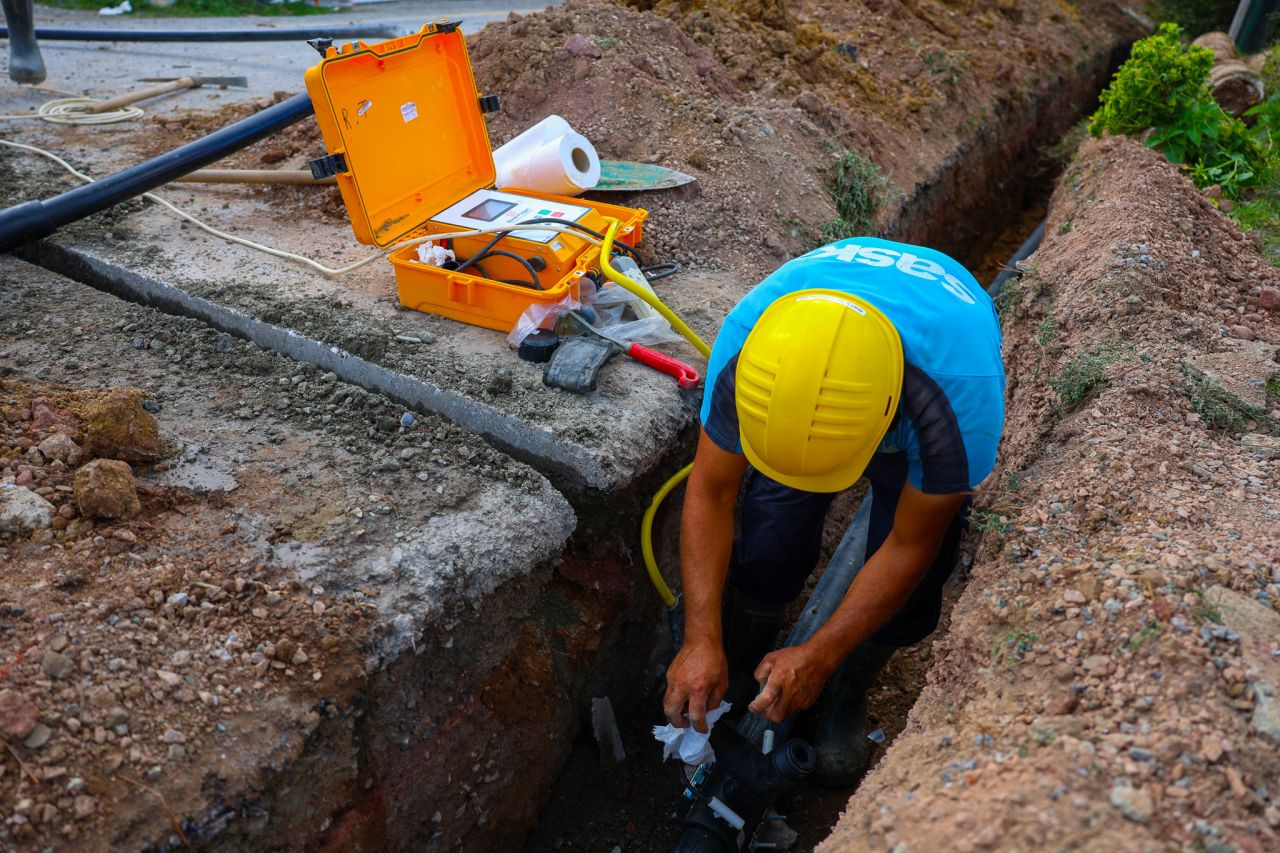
[
  {"x": 686, "y": 376},
  {"x": 142, "y": 94}
]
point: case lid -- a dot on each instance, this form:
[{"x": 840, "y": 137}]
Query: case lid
[{"x": 403, "y": 123}]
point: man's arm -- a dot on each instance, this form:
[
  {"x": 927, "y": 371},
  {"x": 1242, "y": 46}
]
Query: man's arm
[
  {"x": 796, "y": 674},
  {"x": 699, "y": 676}
]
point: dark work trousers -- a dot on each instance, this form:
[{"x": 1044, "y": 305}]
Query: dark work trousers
[{"x": 781, "y": 539}]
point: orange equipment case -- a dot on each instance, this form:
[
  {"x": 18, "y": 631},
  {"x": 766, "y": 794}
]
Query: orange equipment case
[{"x": 404, "y": 126}]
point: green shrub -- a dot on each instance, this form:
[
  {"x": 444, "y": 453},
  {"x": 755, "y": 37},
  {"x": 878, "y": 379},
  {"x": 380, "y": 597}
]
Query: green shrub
[
  {"x": 858, "y": 189},
  {"x": 1162, "y": 86},
  {"x": 1083, "y": 377}
]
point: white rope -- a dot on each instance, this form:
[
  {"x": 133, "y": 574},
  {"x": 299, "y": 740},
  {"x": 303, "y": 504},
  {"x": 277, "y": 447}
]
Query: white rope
[
  {"x": 280, "y": 253},
  {"x": 72, "y": 111}
]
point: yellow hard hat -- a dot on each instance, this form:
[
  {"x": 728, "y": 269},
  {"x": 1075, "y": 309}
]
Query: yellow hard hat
[{"x": 818, "y": 382}]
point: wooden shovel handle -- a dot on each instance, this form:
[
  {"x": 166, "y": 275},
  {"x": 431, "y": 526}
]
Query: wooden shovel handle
[{"x": 141, "y": 94}]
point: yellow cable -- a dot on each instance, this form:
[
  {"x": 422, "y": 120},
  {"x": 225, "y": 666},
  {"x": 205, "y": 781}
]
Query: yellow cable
[
  {"x": 646, "y": 523},
  {"x": 606, "y": 249}
]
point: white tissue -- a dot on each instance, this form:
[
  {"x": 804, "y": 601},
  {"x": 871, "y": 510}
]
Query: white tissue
[
  {"x": 432, "y": 255},
  {"x": 692, "y": 746},
  {"x": 122, "y": 9}
]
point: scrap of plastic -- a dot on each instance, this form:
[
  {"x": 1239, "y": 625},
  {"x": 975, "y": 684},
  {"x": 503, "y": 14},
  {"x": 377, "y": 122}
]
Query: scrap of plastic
[
  {"x": 627, "y": 316},
  {"x": 692, "y": 746},
  {"x": 434, "y": 256},
  {"x": 123, "y": 8},
  {"x": 649, "y": 331},
  {"x": 541, "y": 315}
]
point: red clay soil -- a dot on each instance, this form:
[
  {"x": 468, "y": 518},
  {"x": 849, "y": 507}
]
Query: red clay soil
[{"x": 1110, "y": 674}]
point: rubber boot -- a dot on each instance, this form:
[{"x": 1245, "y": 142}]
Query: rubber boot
[
  {"x": 837, "y": 725},
  {"x": 750, "y": 627},
  {"x": 25, "y": 62}
]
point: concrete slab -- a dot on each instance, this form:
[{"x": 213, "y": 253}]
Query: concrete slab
[
  {"x": 354, "y": 325},
  {"x": 412, "y": 566}
]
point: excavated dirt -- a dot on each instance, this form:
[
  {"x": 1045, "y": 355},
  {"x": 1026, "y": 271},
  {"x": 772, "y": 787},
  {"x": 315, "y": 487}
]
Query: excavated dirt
[{"x": 1109, "y": 676}]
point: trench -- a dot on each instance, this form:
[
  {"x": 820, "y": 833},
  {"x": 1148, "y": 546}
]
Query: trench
[
  {"x": 595, "y": 805},
  {"x": 589, "y": 807}
]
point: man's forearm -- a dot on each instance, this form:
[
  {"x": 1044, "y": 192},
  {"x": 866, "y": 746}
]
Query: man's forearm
[
  {"x": 706, "y": 538},
  {"x": 884, "y": 585}
]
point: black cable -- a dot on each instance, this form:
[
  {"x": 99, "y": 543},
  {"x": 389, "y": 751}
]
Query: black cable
[
  {"x": 688, "y": 783},
  {"x": 533, "y": 274},
  {"x": 462, "y": 265},
  {"x": 545, "y": 220},
  {"x": 387, "y": 30},
  {"x": 656, "y": 272}
]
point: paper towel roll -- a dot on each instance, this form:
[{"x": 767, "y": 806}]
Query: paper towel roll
[{"x": 549, "y": 158}]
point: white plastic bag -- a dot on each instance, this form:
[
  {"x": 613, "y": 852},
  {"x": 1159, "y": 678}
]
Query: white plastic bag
[
  {"x": 542, "y": 315},
  {"x": 691, "y": 745}
]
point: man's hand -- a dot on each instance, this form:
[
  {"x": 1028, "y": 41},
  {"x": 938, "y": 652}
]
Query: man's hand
[
  {"x": 696, "y": 682},
  {"x": 793, "y": 679}
]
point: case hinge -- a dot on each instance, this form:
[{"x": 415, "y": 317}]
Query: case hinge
[
  {"x": 448, "y": 26},
  {"x": 327, "y": 166},
  {"x": 489, "y": 104},
  {"x": 321, "y": 44}
]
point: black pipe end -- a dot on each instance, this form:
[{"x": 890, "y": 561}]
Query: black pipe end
[{"x": 24, "y": 223}]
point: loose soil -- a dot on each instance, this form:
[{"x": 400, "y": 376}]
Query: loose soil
[{"x": 1099, "y": 685}]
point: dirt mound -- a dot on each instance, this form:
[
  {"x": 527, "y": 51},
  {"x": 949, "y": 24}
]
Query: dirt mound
[{"x": 1109, "y": 673}]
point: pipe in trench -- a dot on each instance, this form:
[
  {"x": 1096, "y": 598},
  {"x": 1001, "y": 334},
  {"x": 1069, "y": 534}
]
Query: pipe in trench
[
  {"x": 33, "y": 220},
  {"x": 377, "y": 30},
  {"x": 1025, "y": 251}
]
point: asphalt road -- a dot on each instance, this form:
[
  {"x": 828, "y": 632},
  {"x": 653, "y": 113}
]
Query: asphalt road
[{"x": 104, "y": 69}]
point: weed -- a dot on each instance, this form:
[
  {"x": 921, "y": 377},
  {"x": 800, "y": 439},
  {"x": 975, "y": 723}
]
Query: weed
[
  {"x": 859, "y": 187},
  {"x": 606, "y": 42},
  {"x": 1012, "y": 483},
  {"x": 1153, "y": 629},
  {"x": 1220, "y": 409},
  {"x": 1083, "y": 377},
  {"x": 947, "y": 64},
  {"x": 1009, "y": 296},
  {"x": 1065, "y": 227},
  {"x": 1064, "y": 150},
  {"x": 1016, "y": 643},
  {"x": 986, "y": 521},
  {"x": 1204, "y": 611},
  {"x": 1273, "y": 389}
]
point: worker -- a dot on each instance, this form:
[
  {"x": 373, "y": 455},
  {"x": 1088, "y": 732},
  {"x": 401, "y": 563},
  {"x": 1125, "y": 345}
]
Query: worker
[{"x": 861, "y": 358}]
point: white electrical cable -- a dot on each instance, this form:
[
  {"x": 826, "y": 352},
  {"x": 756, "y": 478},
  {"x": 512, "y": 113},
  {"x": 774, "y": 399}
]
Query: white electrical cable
[
  {"x": 280, "y": 253},
  {"x": 72, "y": 111}
]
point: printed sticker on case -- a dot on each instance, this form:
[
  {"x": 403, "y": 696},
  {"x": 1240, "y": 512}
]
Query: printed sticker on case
[
  {"x": 364, "y": 107},
  {"x": 409, "y": 111}
]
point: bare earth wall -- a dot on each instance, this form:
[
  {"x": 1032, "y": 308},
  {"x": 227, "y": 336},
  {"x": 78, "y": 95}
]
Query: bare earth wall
[{"x": 1110, "y": 669}]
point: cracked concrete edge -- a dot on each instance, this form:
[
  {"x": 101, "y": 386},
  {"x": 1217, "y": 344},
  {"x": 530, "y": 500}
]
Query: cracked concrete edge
[{"x": 566, "y": 466}]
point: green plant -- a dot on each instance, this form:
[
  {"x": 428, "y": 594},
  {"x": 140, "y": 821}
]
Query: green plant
[
  {"x": 986, "y": 521},
  {"x": 1273, "y": 389},
  {"x": 1162, "y": 86},
  {"x": 1153, "y": 629},
  {"x": 1219, "y": 408},
  {"x": 947, "y": 64},
  {"x": 1083, "y": 377},
  {"x": 858, "y": 189},
  {"x": 1016, "y": 643}
]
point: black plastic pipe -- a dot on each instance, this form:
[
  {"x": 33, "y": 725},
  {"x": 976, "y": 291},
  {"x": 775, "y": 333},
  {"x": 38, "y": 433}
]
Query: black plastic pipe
[
  {"x": 293, "y": 34},
  {"x": 1025, "y": 251},
  {"x": 32, "y": 220}
]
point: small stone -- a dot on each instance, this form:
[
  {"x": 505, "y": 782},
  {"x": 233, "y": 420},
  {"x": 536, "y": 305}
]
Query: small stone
[
  {"x": 407, "y": 420},
  {"x": 59, "y": 642},
  {"x": 104, "y": 488},
  {"x": 1074, "y": 596},
  {"x": 579, "y": 45},
  {"x": 18, "y": 716},
  {"x": 75, "y": 785},
  {"x": 22, "y": 510},
  {"x": 118, "y": 427},
  {"x": 39, "y": 736},
  {"x": 170, "y": 679},
  {"x": 56, "y": 665},
  {"x": 1133, "y": 803},
  {"x": 1211, "y": 748},
  {"x": 173, "y": 736},
  {"x": 299, "y": 657},
  {"x": 59, "y": 446},
  {"x": 285, "y": 649},
  {"x": 177, "y": 752},
  {"x": 1062, "y": 704},
  {"x": 1269, "y": 298},
  {"x": 1242, "y": 332},
  {"x": 182, "y": 657},
  {"x": 178, "y": 599},
  {"x": 85, "y": 805},
  {"x": 1263, "y": 446}
]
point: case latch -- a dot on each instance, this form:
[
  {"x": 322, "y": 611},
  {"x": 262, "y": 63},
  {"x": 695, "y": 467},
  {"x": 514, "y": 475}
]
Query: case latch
[
  {"x": 447, "y": 26},
  {"x": 489, "y": 104},
  {"x": 327, "y": 166}
]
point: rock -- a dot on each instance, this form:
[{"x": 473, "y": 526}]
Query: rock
[
  {"x": 1264, "y": 446},
  {"x": 173, "y": 736},
  {"x": 1074, "y": 596},
  {"x": 59, "y": 446},
  {"x": 1088, "y": 587},
  {"x": 178, "y": 599},
  {"x": 104, "y": 488},
  {"x": 578, "y": 45},
  {"x": 1133, "y": 803},
  {"x": 22, "y": 510},
  {"x": 170, "y": 679},
  {"x": 85, "y": 805},
  {"x": 1257, "y": 626},
  {"x": 38, "y": 737},
  {"x": 1211, "y": 748},
  {"x": 299, "y": 658},
  {"x": 18, "y": 716},
  {"x": 117, "y": 426},
  {"x": 1062, "y": 704},
  {"x": 56, "y": 665},
  {"x": 117, "y": 716},
  {"x": 1269, "y": 298}
]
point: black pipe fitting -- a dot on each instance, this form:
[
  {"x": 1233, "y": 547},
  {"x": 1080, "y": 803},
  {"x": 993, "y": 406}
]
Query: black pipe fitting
[
  {"x": 33, "y": 220},
  {"x": 292, "y": 34}
]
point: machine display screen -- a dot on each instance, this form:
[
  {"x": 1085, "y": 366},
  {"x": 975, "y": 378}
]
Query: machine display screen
[{"x": 489, "y": 209}]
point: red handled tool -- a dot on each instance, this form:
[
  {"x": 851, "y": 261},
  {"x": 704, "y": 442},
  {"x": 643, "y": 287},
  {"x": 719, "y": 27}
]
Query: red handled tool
[{"x": 685, "y": 376}]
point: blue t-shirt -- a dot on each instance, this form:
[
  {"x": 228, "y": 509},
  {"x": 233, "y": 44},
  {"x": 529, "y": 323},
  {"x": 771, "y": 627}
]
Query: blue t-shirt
[{"x": 951, "y": 411}]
